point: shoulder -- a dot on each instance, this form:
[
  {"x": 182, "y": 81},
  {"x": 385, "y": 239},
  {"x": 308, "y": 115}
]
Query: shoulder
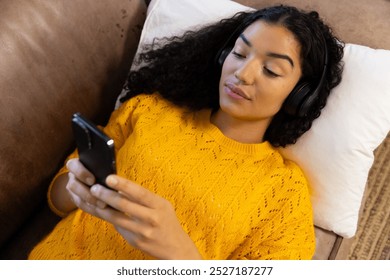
[
  {"x": 289, "y": 175},
  {"x": 294, "y": 172},
  {"x": 149, "y": 109},
  {"x": 144, "y": 102},
  {"x": 294, "y": 190},
  {"x": 141, "y": 104},
  {"x": 290, "y": 193}
]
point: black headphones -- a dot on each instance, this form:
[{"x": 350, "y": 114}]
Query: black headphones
[{"x": 302, "y": 97}]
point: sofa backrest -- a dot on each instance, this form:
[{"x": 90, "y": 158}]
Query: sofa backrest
[
  {"x": 57, "y": 57},
  {"x": 359, "y": 22}
]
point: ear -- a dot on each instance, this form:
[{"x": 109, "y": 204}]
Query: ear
[{"x": 296, "y": 102}]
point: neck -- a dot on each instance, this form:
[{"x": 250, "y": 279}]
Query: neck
[{"x": 243, "y": 131}]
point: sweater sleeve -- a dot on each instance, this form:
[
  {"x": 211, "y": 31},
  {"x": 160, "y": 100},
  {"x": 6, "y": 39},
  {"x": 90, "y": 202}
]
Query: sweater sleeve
[
  {"x": 123, "y": 119},
  {"x": 289, "y": 234},
  {"x": 119, "y": 127}
]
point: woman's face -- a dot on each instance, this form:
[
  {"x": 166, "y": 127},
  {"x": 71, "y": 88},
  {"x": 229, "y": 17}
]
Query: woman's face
[{"x": 259, "y": 73}]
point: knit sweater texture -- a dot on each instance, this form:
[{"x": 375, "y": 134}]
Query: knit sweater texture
[{"x": 235, "y": 200}]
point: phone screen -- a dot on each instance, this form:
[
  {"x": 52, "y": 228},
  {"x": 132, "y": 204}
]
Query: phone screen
[{"x": 96, "y": 150}]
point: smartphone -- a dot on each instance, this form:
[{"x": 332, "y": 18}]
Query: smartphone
[{"x": 96, "y": 150}]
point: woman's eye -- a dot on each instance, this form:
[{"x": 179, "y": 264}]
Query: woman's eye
[
  {"x": 236, "y": 54},
  {"x": 270, "y": 73}
]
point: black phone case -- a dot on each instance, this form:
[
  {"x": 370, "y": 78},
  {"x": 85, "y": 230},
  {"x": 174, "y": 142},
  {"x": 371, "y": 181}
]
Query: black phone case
[{"x": 96, "y": 150}]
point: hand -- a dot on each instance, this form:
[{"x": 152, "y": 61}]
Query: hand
[
  {"x": 147, "y": 221},
  {"x": 79, "y": 182}
]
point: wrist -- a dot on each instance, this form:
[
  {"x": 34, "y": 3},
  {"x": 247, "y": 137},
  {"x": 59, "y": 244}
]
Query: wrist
[{"x": 192, "y": 253}]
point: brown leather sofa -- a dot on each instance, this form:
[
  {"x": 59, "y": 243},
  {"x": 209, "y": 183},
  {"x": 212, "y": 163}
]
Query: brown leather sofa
[{"x": 58, "y": 57}]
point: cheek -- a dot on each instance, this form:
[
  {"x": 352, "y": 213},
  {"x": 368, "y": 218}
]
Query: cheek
[
  {"x": 226, "y": 71},
  {"x": 230, "y": 65},
  {"x": 272, "y": 96},
  {"x": 275, "y": 91},
  {"x": 285, "y": 90}
]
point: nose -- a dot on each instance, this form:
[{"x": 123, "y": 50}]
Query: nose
[{"x": 247, "y": 72}]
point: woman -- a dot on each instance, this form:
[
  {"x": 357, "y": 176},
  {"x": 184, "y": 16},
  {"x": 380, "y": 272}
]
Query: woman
[{"x": 198, "y": 172}]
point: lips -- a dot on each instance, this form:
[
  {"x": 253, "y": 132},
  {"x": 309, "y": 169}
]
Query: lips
[{"x": 235, "y": 91}]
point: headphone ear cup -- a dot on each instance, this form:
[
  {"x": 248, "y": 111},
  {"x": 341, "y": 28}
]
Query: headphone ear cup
[
  {"x": 295, "y": 103},
  {"x": 222, "y": 56}
]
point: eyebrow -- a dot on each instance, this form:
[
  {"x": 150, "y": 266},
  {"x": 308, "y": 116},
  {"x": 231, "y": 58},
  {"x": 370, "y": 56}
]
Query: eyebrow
[
  {"x": 270, "y": 54},
  {"x": 282, "y": 56},
  {"x": 242, "y": 36}
]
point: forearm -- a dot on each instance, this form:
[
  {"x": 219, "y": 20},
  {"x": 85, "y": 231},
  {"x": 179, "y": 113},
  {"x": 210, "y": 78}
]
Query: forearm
[{"x": 59, "y": 197}]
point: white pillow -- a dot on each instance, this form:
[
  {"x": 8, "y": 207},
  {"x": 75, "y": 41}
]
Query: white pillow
[{"x": 337, "y": 152}]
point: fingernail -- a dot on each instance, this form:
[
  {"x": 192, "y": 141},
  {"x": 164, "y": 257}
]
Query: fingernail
[
  {"x": 111, "y": 180},
  {"x": 94, "y": 188},
  {"x": 68, "y": 164},
  {"x": 89, "y": 181}
]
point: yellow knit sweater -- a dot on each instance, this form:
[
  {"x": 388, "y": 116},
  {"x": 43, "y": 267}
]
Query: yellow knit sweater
[{"x": 235, "y": 201}]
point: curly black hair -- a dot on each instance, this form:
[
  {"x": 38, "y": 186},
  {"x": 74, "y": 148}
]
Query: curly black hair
[{"x": 183, "y": 69}]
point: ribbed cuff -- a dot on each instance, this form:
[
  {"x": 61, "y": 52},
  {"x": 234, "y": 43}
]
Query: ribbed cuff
[{"x": 50, "y": 202}]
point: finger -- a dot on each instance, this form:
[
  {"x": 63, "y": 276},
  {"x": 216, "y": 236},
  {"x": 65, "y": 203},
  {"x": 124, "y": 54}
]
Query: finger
[
  {"x": 79, "y": 191},
  {"x": 118, "y": 219},
  {"x": 131, "y": 237},
  {"x": 80, "y": 171},
  {"x": 133, "y": 191},
  {"x": 123, "y": 204},
  {"x": 87, "y": 206}
]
